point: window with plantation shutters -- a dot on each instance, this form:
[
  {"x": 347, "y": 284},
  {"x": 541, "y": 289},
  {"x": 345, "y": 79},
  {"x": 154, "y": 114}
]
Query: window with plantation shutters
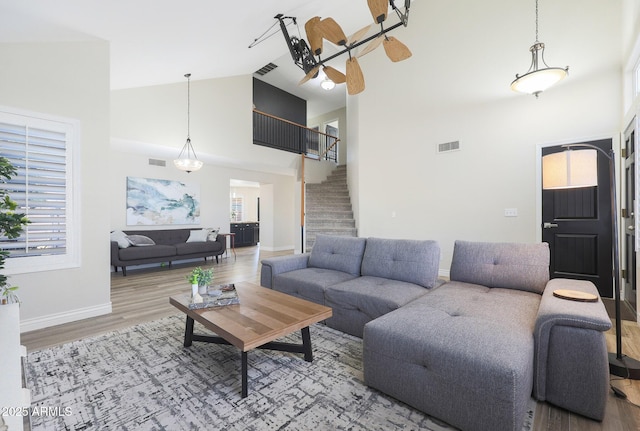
[{"x": 40, "y": 150}]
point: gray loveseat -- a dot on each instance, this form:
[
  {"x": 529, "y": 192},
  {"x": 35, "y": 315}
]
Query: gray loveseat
[
  {"x": 169, "y": 245},
  {"x": 470, "y": 351}
]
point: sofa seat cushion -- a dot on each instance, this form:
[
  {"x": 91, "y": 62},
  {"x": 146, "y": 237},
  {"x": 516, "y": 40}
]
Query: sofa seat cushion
[
  {"x": 465, "y": 351},
  {"x": 358, "y": 301},
  {"x": 197, "y": 247},
  {"x": 402, "y": 259},
  {"x": 309, "y": 283},
  {"x": 152, "y": 251},
  {"x": 339, "y": 253}
]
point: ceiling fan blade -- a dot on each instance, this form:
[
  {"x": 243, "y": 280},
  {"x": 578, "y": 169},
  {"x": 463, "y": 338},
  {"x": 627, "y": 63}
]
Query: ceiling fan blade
[
  {"x": 371, "y": 46},
  {"x": 396, "y": 50},
  {"x": 358, "y": 35},
  {"x": 313, "y": 35},
  {"x": 335, "y": 75},
  {"x": 312, "y": 74},
  {"x": 379, "y": 9},
  {"x": 331, "y": 31},
  {"x": 355, "y": 78}
]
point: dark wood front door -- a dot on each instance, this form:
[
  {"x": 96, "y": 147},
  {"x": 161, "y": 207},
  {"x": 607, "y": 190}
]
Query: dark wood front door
[{"x": 577, "y": 226}]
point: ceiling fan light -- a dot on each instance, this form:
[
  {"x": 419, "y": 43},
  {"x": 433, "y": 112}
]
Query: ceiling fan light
[{"x": 327, "y": 84}]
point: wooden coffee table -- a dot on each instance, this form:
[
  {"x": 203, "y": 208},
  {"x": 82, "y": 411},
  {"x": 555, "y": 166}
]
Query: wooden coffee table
[{"x": 262, "y": 316}]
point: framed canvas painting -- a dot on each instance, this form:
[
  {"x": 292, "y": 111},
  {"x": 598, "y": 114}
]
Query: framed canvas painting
[{"x": 162, "y": 202}]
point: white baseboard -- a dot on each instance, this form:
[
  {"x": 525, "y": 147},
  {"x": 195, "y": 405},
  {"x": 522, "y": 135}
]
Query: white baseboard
[
  {"x": 66, "y": 317},
  {"x": 283, "y": 248}
]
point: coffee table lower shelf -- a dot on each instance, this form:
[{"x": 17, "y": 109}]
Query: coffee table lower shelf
[{"x": 305, "y": 347}]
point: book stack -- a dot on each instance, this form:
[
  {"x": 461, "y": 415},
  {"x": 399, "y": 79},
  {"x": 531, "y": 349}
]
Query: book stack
[{"x": 216, "y": 296}]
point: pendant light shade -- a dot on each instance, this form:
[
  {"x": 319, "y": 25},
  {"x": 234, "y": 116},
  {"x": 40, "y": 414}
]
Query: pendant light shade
[
  {"x": 540, "y": 76},
  {"x": 187, "y": 160}
]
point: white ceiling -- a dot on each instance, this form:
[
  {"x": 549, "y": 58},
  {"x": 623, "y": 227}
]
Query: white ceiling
[
  {"x": 157, "y": 41},
  {"x": 465, "y": 52}
]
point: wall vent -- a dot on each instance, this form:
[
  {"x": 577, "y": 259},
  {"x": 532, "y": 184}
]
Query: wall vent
[
  {"x": 448, "y": 147},
  {"x": 157, "y": 162},
  {"x": 266, "y": 69}
]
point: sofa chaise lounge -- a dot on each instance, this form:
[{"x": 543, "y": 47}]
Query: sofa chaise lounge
[
  {"x": 470, "y": 351},
  {"x": 132, "y": 247}
]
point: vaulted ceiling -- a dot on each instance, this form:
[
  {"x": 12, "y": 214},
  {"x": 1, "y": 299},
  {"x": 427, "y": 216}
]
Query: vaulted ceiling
[{"x": 470, "y": 48}]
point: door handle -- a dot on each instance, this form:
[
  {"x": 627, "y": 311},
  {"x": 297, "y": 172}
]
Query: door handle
[
  {"x": 547, "y": 225},
  {"x": 631, "y": 228}
]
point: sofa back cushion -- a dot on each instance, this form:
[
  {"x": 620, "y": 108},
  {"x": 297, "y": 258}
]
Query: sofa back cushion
[
  {"x": 163, "y": 236},
  {"x": 340, "y": 253},
  {"x": 403, "y": 260},
  {"x": 505, "y": 265}
]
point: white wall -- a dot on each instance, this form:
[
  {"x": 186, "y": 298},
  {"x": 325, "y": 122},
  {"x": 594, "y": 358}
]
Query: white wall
[
  {"x": 436, "y": 97},
  {"x": 152, "y": 122},
  {"x": 69, "y": 80},
  {"x": 277, "y": 233}
]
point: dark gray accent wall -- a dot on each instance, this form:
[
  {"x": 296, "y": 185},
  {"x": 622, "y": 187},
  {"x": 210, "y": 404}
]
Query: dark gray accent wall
[{"x": 277, "y": 102}]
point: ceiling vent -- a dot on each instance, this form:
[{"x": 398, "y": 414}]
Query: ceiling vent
[
  {"x": 158, "y": 162},
  {"x": 266, "y": 69},
  {"x": 447, "y": 147}
]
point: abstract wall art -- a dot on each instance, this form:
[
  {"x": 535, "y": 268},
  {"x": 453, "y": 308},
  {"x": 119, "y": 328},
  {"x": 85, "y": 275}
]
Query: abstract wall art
[{"x": 162, "y": 202}]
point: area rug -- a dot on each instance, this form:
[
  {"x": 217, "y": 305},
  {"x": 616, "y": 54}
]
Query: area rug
[{"x": 142, "y": 378}]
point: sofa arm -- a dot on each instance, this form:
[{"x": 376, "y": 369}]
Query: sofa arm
[
  {"x": 278, "y": 265},
  {"x": 222, "y": 240},
  {"x": 571, "y": 362},
  {"x": 115, "y": 256}
]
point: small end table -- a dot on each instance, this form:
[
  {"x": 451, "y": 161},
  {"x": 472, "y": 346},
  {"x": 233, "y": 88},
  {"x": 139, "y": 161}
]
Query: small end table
[{"x": 232, "y": 242}]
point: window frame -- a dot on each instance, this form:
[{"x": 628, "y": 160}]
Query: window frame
[{"x": 72, "y": 129}]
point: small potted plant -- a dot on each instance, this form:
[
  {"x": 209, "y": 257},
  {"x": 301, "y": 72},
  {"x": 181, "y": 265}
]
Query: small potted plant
[
  {"x": 11, "y": 224},
  {"x": 200, "y": 277}
]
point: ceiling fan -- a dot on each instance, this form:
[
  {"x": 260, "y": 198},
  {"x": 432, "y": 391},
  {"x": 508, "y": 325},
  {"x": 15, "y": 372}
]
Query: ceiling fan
[{"x": 304, "y": 54}]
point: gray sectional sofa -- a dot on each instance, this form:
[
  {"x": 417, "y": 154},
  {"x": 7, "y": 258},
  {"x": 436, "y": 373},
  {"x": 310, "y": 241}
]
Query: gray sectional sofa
[
  {"x": 167, "y": 245},
  {"x": 470, "y": 351}
]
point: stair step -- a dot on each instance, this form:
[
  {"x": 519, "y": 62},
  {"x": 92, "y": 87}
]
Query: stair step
[
  {"x": 328, "y": 214},
  {"x": 328, "y": 208}
]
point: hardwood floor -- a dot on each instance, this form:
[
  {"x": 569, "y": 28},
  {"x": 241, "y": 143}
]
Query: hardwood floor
[{"x": 143, "y": 295}]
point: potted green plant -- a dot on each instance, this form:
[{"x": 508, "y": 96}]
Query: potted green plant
[
  {"x": 11, "y": 225},
  {"x": 201, "y": 277}
]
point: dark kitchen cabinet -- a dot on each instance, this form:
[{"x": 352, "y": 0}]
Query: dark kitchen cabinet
[{"x": 247, "y": 234}]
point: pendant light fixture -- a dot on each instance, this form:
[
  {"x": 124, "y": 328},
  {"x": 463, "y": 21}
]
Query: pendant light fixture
[
  {"x": 538, "y": 79},
  {"x": 185, "y": 162}
]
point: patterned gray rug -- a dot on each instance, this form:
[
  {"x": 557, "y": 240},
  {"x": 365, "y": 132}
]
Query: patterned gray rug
[{"x": 141, "y": 378}]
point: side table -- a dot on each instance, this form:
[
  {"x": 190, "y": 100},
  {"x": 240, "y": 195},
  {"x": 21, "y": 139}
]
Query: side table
[{"x": 232, "y": 243}]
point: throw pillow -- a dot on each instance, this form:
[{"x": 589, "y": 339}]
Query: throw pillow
[
  {"x": 140, "y": 240},
  {"x": 213, "y": 234},
  {"x": 198, "y": 235},
  {"x": 121, "y": 238}
]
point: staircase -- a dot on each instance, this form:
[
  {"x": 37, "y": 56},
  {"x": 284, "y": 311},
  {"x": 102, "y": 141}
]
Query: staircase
[{"x": 328, "y": 208}]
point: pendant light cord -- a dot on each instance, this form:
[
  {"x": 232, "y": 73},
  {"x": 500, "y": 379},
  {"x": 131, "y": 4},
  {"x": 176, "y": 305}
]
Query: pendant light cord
[
  {"x": 188, "y": 76},
  {"x": 537, "y": 21}
]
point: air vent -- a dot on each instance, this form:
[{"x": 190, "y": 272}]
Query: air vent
[
  {"x": 266, "y": 69},
  {"x": 448, "y": 147},
  {"x": 157, "y": 162}
]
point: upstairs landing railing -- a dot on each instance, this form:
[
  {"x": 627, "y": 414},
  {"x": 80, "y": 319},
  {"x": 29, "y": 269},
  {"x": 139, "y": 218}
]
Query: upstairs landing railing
[{"x": 271, "y": 131}]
